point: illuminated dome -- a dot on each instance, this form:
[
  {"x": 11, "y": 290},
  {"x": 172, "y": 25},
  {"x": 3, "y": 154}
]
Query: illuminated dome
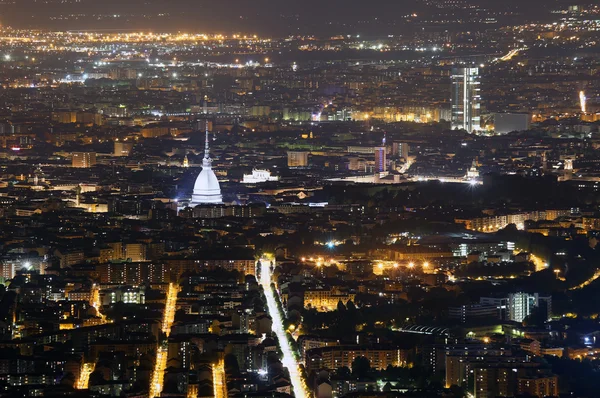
[{"x": 207, "y": 188}]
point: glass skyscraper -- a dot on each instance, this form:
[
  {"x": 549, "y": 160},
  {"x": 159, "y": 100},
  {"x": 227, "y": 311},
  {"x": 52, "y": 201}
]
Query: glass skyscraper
[{"x": 466, "y": 101}]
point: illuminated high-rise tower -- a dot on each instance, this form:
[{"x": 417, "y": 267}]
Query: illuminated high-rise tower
[
  {"x": 582, "y": 101},
  {"x": 380, "y": 159},
  {"x": 466, "y": 100}
]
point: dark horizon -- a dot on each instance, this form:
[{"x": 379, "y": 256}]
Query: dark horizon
[{"x": 265, "y": 17}]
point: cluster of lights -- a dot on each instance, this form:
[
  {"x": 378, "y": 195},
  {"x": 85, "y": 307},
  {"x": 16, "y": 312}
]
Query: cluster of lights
[
  {"x": 319, "y": 261},
  {"x": 410, "y": 265},
  {"x": 11, "y": 35},
  {"x": 84, "y": 376}
]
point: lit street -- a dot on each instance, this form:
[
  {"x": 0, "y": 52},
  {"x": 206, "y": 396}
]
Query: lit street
[
  {"x": 219, "y": 384},
  {"x": 95, "y": 302},
  {"x": 158, "y": 375},
  {"x": 288, "y": 360},
  {"x": 587, "y": 281},
  {"x": 84, "y": 376}
]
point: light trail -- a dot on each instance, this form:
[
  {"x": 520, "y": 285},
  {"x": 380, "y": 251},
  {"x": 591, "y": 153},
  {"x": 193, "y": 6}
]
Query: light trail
[
  {"x": 456, "y": 180},
  {"x": 406, "y": 166},
  {"x": 298, "y": 384},
  {"x": 158, "y": 375},
  {"x": 219, "y": 384},
  {"x": 84, "y": 377},
  {"x": 511, "y": 54},
  {"x": 587, "y": 282}
]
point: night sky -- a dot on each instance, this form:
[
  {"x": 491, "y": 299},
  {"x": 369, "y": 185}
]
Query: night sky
[{"x": 270, "y": 17}]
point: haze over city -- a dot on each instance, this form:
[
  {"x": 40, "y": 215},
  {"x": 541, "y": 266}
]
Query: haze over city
[{"x": 267, "y": 17}]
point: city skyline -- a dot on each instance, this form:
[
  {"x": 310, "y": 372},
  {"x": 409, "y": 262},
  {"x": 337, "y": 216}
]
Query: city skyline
[{"x": 278, "y": 199}]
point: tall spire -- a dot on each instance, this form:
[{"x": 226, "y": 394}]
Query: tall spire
[
  {"x": 206, "y": 189},
  {"x": 206, "y": 162},
  {"x": 206, "y": 148}
]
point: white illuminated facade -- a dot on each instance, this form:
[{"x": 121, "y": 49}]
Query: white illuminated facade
[
  {"x": 520, "y": 306},
  {"x": 130, "y": 295},
  {"x": 258, "y": 176},
  {"x": 206, "y": 189},
  {"x": 473, "y": 173}
]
